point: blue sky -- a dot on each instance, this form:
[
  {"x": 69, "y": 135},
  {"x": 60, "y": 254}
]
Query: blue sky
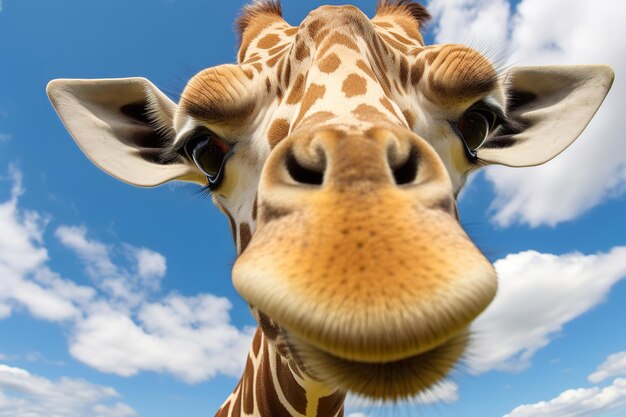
[{"x": 67, "y": 230}]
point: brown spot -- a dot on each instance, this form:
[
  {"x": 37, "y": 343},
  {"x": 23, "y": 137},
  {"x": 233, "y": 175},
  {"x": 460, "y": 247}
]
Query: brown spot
[
  {"x": 297, "y": 91},
  {"x": 416, "y": 71},
  {"x": 354, "y": 85},
  {"x": 256, "y": 342},
  {"x": 387, "y": 104},
  {"x": 293, "y": 391},
  {"x": 253, "y": 58},
  {"x": 244, "y": 235},
  {"x": 273, "y": 60},
  {"x": 416, "y": 51},
  {"x": 410, "y": 117},
  {"x": 247, "y": 387},
  {"x": 338, "y": 38},
  {"x": 237, "y": 406},
  {"x": 287, "y": 75},
  {"x": 277, "y": 50},
  {"x": 431, "y": 56},
  {"x": 394, "y": 43},
  {"x": 315, "y": 92},
  {"x": 268, "y": 84},
  {"x": 278, "y": 131},
  {"x": 386, "y": 25},
  {"x": 302, "y": 51},
  {"x": 318, "y": 118},
  {"x": 223, "y": 411},
  {"x": 400, "y": 38},
  {"x": 314, "y": 27},
  {"x": 329, "y": 64},
  {"x": 371, "y": 114},
  {"x": 329, "y": 406},
  {"x": 321, "y": 36},
  {"x": 248, "y": 72},
  {"x": 281, "y": 65},
  {"x": 267, "y": 398},
  {"x": 268, "y": 41},
  {"x": 366, "y": 69},
  {"x": 404, "y": 71},
  {"x": 291, "y": 31}
]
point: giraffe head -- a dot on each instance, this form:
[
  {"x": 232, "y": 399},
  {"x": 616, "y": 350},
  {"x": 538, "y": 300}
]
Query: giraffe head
[{"x": 336, "y": 149}]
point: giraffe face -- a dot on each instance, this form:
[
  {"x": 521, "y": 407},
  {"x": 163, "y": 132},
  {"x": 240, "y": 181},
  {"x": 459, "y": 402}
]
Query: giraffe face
[
  {"x": 336, "y": 149},
  {"x": 357, "y": 264}
]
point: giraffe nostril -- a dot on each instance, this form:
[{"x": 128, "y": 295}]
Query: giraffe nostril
[
  {"x": 406, "y": 172},
  {"x": 302, "y": 174}
]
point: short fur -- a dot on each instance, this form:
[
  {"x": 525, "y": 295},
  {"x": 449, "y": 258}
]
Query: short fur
[
  {"x": 415, "y": 10},
  {"x": 259, "y": 7}
]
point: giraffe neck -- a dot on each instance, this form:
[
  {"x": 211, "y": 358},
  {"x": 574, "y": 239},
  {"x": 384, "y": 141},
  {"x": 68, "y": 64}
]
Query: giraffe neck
[{"x": 271, "y": 387}]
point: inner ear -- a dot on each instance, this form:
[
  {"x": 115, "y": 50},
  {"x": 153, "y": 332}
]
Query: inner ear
[
  {"x": 157, "y": 138},
  {"x": 125, "y": 126},
  {"x": 136, "y": 111},
  {"x": 548, "y": 108},
  {"x": 157, "y": 114}
]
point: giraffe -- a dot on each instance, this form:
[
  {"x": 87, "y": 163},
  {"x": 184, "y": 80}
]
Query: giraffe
[{"x": 336, "y": 149}]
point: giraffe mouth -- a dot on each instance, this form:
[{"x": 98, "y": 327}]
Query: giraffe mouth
[{"x": 387, "y": 381}]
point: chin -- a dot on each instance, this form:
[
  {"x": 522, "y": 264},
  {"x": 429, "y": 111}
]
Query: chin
[{"x": 385, "y": 381}]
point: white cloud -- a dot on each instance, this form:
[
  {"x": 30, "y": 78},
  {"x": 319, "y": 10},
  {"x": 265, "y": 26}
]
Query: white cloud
[
  {"x": 25, "y": 395},
  {"x": 614, "y": 365},
  {"x": 189, "y": 337},
  {"x": 594, "y": 168},
  {"x": 538, "y": 293},
  {"x": 150, "y": 264},
  {"x": 26, "y": 280},
  {"x": 126, "y": 285},
  {"x": 122, "y": 323},
  {"x": 117, "y": 410},
  {"x": 120, "y": 285},
  {"x": 479, "y": 23},
  {"x": 581, "y": 402}
]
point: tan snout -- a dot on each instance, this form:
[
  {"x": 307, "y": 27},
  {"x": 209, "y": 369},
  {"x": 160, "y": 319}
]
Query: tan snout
[{"x": 358, "y": 251}]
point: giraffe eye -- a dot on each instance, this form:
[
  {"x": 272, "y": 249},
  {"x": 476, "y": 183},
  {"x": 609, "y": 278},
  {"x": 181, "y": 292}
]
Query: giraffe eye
[
  {"x": 209, "y": 153},
  {"x": 474, "y": 128}
]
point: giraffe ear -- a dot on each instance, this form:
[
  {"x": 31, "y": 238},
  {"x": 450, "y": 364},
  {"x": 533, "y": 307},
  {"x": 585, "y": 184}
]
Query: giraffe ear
[
  {"x": 549, "y": 107},
  {"x": 123, "y": 125}
]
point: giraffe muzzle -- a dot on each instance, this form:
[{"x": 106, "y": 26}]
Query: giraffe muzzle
[{"x": 355, "y": 265}]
